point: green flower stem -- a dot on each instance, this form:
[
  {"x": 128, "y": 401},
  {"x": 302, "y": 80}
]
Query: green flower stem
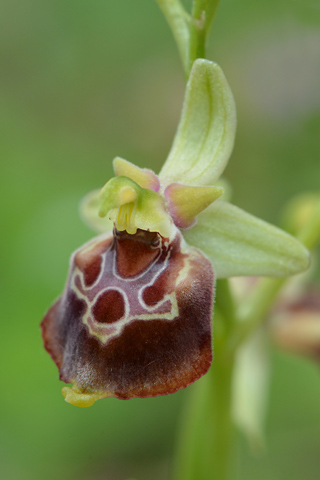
[
  {"x": 190, "y": 31},
  {"x": 206, "y": 435},
  {"x": 207, "y": 6},
  {"x": 198, "y": 38},
  {"x": 189, "y": 450},
  {"x": 225, "y": 304},
  {"x": 203, "y": 13},
  {"x": 221, "y": 428}
]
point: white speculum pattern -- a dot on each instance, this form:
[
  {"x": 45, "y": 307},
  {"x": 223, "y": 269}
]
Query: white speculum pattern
[{"x": 131, "y": 290}]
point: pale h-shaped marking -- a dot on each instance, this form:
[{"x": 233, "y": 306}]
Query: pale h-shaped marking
[{"x": 132, "y": 295}]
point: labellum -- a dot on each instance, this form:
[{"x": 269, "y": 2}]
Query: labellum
[{"x": 134, "y": 319}]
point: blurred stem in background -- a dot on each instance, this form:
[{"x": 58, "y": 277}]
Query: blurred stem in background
[
  {"x": 205, "y": 442},
  {"x": 206, "y": 436}
]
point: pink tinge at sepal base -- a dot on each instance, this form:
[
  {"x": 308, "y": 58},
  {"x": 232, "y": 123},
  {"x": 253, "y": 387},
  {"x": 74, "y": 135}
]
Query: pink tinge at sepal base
[{"x": 185, "y": 202}]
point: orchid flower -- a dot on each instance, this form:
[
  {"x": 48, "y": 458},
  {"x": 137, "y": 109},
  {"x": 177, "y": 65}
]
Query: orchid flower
[{"x": 135, "y": 317}]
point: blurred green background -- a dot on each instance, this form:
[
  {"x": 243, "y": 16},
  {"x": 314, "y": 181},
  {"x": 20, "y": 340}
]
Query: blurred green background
[{"x": 80, "y": 83}]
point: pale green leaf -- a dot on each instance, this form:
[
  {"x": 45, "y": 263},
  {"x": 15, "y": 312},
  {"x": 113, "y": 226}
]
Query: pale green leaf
[
  {"x": 205, "y": 136},
  {"x": 239, "y": 244}
]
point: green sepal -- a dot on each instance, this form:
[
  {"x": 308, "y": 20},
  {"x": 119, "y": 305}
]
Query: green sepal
[
  {"x": 239, "y": 244},
  {"x": 205, "y": 136}
]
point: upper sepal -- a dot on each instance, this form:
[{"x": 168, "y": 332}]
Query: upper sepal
[
  {"x": 205, "y": 135},
  {"x": 144, "y": 177}
]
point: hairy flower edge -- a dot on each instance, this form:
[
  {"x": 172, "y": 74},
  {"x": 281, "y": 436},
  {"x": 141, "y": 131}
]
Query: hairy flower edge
[{"x": 134, "y": 319}]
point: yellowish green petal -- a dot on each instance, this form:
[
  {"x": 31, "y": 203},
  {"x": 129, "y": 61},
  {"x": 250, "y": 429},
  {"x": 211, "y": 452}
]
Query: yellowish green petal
[
  {"x": 89, "y": 208},
  {"x": 206, "y": 131},
  {"x": 239, "y": 244},
  {"x": 142, "y": 176}
]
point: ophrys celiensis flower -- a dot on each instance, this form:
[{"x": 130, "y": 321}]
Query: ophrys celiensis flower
[{"x": 135, "y": 317}]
